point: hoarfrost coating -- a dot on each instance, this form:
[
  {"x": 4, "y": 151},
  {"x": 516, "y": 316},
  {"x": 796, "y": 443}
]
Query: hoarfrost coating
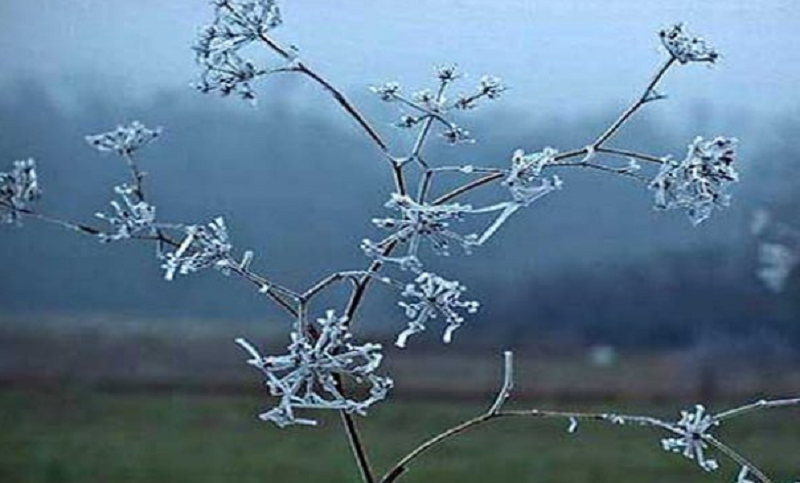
[
  {"x": 322, "y": 362},
  {"x": 309, "y": 375},
  {"x": 19, "y": 188}
]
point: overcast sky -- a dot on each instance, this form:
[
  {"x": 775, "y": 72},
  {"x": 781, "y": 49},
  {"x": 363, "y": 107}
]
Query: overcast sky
[{"x": 580, "y": 54}]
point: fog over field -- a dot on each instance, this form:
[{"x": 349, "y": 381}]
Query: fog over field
[{"x": 298, "y": 184}]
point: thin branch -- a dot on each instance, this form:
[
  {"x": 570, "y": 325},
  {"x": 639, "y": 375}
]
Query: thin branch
[
  {"x": 357, "y": 447},
  {"x": 631, "y": 154},
  {"x": 90, "y": 230},
  {"x": 639, "y": 102},
  {"x": 757, "y": 406},
  {"x": 508, "y": 383},
  {"x": 345, "y": 104},
  {"x": 736, "y": 457}
]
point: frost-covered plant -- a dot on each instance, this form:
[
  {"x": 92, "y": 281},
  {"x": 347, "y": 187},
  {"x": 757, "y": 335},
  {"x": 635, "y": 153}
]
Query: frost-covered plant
[
  {"x": 124, "y": 140},
  {"x": 432, "y": 296},
  {"x": 19, "y": 188},
  {"x": 322, "y": 365},
  {"x": 686, "y": 48},
  {"x": 698, "y": 183},
  {"x": 309, "y": 376},
  {"x": 131, "y": 217},
  {"x": 694, "y": 427}
]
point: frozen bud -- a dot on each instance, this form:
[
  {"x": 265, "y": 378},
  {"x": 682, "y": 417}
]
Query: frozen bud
[
  {"x": 455, "y": 135},
  {"x": 491, "y": 87},
  {"x": 447, "y": 73},
  {"x": 387, "y": 92},
  {"x": 124, "y": 140},
  {"x": 685, "y": 47}
]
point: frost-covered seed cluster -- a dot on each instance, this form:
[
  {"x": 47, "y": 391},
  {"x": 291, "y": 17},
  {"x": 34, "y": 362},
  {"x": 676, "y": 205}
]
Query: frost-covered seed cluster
[
  {"x": 310, "y": 374},
  {"x": 693, "y": 428},
  {"x": 525, "y": 181},
  {"x": 131, "y": 217},
  {"x": 686, "y": 48},
  {"x": 18, "y": 189},
  {"x": 237, "y": 24},
  {"x": 427, "y": 107},
  {"x": 419, "y": 222},
  {"x": 202, "y": 247},
  {"x": 432, "y": 296},
  {"x": 698, "y": 183},
  {"x": 124, "y": 140}
]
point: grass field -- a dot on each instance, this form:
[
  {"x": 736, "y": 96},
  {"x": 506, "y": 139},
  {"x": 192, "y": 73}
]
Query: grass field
[{"x": 83, "y": 436}]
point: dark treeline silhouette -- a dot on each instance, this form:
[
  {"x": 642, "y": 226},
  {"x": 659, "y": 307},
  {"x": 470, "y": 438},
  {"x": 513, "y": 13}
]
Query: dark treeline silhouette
[{"x": 299, "y": 186}]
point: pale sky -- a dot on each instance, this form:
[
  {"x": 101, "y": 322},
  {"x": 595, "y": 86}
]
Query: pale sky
[{"x": 558, "y": 56}]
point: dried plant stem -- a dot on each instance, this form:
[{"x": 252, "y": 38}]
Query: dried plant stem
[
  {"x": 639, "y": 102},
  {"x": 344, "y": 103},
  {"x": 401, "y": 467}
]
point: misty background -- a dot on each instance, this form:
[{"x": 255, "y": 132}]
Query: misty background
[{"x": 297, "y": 183}]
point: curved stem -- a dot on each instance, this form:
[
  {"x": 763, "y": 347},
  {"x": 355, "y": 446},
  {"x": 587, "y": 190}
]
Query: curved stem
[
  {"x": 345, "y": 104},
  {"x": 736, "y": 457}
]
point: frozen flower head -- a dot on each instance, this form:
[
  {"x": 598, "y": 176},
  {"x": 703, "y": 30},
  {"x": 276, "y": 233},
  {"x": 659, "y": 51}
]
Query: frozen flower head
[
  {"x": 491, "y": 87},
  {"x": 456, "y": 135},
  {"x": 388, "y": 92},
  {"x": 18, "y": 189},
  {"x": 310, "y": 374},
  {"x": 124, "y": 140},
  {"x": 777, "y": 262},
  {"x": 237, "y": 23},
  {"x": 417, "y": 222},
  {"x": 202, "y": 247},
  {"x": 432, "y": 296},
  {"x": 693, "y": 429},
  {"x": 525, "y": 182},
  {"x": 686, "y": 48},
  {"x": 131, "y": 217},
  {"x": 433, "y": 105},
  {"x": 447, "y": 73},
  {"x": 698, "y": 184}
]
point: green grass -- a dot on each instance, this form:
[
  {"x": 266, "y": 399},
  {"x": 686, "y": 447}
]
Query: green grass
[{"x": 81, "y": 436}]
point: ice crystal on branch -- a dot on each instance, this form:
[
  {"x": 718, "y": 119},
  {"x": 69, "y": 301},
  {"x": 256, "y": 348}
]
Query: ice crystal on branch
[
  {"x": 698, "y": 183},
  {"x": 693, "y": 428},
  {"x": 310, "y": 374},
  {"x": 433, "y": 296},
  {"x": 418, "y": 221},
  {"x": 131, "y": 217},
  {"x": 124, "y": 140},
  {"x": 685, "y": 47},
  {"x": 202, "y": 247},
  {"x": 524, "y": 180},
  {"x": 237, "y": 24},
  {"x": 18, "y": 189}
]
